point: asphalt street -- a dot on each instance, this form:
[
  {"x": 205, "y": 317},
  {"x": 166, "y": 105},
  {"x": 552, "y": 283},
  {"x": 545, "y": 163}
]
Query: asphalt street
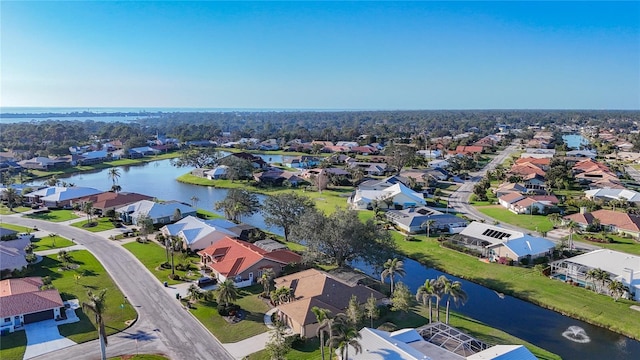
[{"x": 163, "y": 325}]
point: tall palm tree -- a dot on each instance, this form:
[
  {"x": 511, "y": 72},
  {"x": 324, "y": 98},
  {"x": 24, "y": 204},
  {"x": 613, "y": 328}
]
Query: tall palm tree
[
  {"x": 114, "y": 175},
  {"x": 65, "y": 258},
  {"x": 194, "y": 293},
  {"x": 267, "y": 280},
  {"x": 392, "y": 267},
  {"x": 322, "y": 316},
  {"x": 345, "y": 334},
  {"x": 593, "y": 275},
  {"x": 426, "y": 293},
  {"x": 554, "y": 218},
  {"x": 616, "y": 288},
  {"x": 454, "y": 292},
  {"x": 176, "y": 242},
  {"x": 194, "y": 201},
  {"x": 573, "y": 227},
  {"x": 439, "y": 286},
  {"x": 428, "y": 224},
  {"x": 97, "y": 304},
  {"x": 226, "y": 292},
  {"x": 87, "y": 207}
]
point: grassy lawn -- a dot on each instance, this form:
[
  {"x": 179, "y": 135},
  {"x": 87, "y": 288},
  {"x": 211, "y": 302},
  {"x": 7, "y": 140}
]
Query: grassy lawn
[
  {"x": 13, "y": 346},
  {"x": 619, "y": 243},
  {"x": 530, "y": 222},
  {"x": 17, "y": 228},
  {"x": 306, "y": 350},
  {"x": 54, "y": 216},
  {"x": 151, "y": 255},
  {"x": 102, "y": 224},
  {"x": 252, "y": 325},
  {"x": 4, "y": 210},
  {"x": 208, "y": 214},
  {"x": 51, "y": 242},
  {"x": 94, "y": 278},
  {"x": 526, "y": 284}
]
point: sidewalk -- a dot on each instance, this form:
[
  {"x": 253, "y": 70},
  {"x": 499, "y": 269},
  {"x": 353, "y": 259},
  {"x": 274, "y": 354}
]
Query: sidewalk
[{"x": 241, "y": 349}]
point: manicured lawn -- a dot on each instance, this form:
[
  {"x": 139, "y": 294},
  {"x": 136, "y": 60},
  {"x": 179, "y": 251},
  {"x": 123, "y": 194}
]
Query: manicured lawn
[
  {"x": 619, "y": 243},
  {"x": 102, "y": 224},
  {"x": 306, "y": 350},
  {"x": 209, "y": 214},
  {"x": 17, "y": 228},
  {"x": 94, "y": 278},
  {"x": 251, "y": 325},
  {"x": 51, "y": 242},
  {"x": 13, "y": 346},
  {"x": 54, "y": 216},
  {"x": 531, "y": 222},
  {"x": 4, "y": 210},
  {"x": 526, "y": 284},
  {"x": 151, "y": 255}
]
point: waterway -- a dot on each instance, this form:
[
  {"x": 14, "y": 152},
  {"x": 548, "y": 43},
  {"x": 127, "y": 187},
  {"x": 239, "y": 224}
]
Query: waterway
[
  {"x": 532, "y": 323},
  {"x": 575, "y": 141}
]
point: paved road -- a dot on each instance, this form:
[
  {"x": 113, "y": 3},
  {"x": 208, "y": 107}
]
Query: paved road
[
  {"x": 459, "y": 200},
  {"x": 163, "y": 325},
  {"x": 635, "y": 174}
]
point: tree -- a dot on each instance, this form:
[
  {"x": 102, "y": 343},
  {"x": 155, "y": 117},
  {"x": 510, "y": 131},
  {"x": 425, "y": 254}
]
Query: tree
[
  {"x": 554, "y": 218},
  {"x": 322, "y": 317},
  {"x": 12, "y": 196},
  {"x": 399, "y": 155},
  {"x": 97, "y": 304},
  {"x": 116, "y": 188},
  {"x": 237, "y": 168},
  {"x": 226, "y": 293},
  {"x": 198, "y": 158},
  {"x": 267, "y": 280},
  {"x": 573, "y": 227},
  {"x": 617, "y": 289},
  {"x": 439, "y": 292},
  {"x": 281, "y": 295},
  {"x": 194, "y": 201},
  {"x": 401, "y": 298},
  {"x": 193, "y": 292},
  {"x": 425, "y": 295},
  {"x": 238, "y": 203},
  {"x": 145, "y": 223},
  {"x": 278, "y": 346},
  {"x": 284, "y": 210},
  {"x": 177, "y": 215},
  {"x": 87, "y": 207},
  {"x": 454, "y": 292},
  {"x": 371, "y": 309},
  {"x": 114, "y": 175},
  {"x": 392, "y": 267},
  {"x": 342, "y": 237},
  {"x": 176, "y": 243},
  {"x": 345, "y": 334},
  {"x": 428, "y": 224},
  {"x": 354, "y": 311},
  {"x": 65, "y": 257}
]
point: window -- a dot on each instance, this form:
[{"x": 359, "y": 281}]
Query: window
[{"x": 7, "y": 319}]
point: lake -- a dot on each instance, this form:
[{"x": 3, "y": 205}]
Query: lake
[
  {"x": 525, "y": 320},
  {"x": 575, "y": 141}
]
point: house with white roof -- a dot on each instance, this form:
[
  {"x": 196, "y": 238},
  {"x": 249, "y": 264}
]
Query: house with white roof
[
  {"x": 613, "y": 194},
  {"x": 160, "y": 213},
  {"x": 59, "y": 196},
  {"x": 495, "y": 242},
  {"x": 430, "y": 154},
  {"x": 439, "y": 164},
  {"x": 196, "y": 234},
  {"x": 411, "y": 220},
  {"x": 401, "y": 196},
  {"x": 621, "y": 266},
  {"x": 219, "y": 172}
]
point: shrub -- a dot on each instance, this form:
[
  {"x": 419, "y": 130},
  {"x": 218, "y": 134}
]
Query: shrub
[
  {"x": 541, "y": 260},
  {"x": 165, "y": 265},
  {"x": 174, "y": 276},
  {"x": 524, "y": 261}
]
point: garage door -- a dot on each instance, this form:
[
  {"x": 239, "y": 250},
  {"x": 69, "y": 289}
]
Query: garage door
[{"x": 38, "y": 316}]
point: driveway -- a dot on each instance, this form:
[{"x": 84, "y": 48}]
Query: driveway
[{"x": 44, "y": 337}]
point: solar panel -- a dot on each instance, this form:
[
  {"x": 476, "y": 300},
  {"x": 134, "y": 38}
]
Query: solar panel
[{"x": 495, "y": 234}]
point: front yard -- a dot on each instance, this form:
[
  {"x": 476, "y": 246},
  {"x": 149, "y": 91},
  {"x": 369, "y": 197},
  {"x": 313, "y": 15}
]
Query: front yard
[
  {"x": 54, "y": 215},
  {"x": 619, "y": 243},
  {"x": 540, "y": 223},
  {"x": 4, "y": 210},
  {"x": 51, "y": 242},
  {"x": 101, "y": 224},
  {"x": 253, "y": 324},
  {"x": 151, "y": 255}
]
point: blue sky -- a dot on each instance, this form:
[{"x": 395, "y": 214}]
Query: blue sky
[{"x": 322, "y": 55}]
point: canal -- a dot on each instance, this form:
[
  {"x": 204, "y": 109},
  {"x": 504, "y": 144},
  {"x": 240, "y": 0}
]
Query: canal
[{"x": 530, "y": 322}]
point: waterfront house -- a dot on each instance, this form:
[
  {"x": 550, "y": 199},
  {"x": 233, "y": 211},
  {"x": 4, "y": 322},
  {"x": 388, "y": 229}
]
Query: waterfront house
[
  {"x": 160, "y": 213},
  {"x": 398, "y": 195},
  {"x": 110, "y": 200},
  {"x": 195, "y": 233},
  {"x": 411, "y": 220},
  {"x": 60, "y": 196}
]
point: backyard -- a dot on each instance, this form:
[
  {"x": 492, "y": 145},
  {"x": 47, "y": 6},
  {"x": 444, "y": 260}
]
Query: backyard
[{"x": 151, "y": 255}]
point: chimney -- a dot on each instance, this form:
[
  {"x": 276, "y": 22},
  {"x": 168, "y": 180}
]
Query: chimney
[{"x": 583, "y": 210}]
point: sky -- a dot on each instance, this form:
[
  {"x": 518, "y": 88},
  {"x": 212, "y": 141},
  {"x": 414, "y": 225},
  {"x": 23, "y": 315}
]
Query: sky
[{"x": 321, "y": 55}]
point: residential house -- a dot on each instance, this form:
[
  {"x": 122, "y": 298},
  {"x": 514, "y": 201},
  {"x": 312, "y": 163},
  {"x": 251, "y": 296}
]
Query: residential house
[
  {"x": 311, "y": 288},
  {"x": 365, "y": 150},
  {"x": 439, "y": 164},
  {"x": 348, "y": 144},
  {"x": 140, "y": 152},
  {"x": 614, "y": 221},
  {"x": 302, "y": 162},
  {"x": 269, "y": 145},
  {"x": 507, "y": 188},
  {"x": 195, "y": 233},
  {"x": 219, "y": 172},
  {"x": 401, "y": 197},
  {"x": 243, "y": 262},
  {"x": 542, "y": 163},
  {"x": 241, "y": 231},
  {"x": 535, "y": 183},
  {"x": 468, "y": 150},
  {"x": 591, "y": 154},
  {"x": 538, "y": 153},
  {"x": 609, "y": 194},
  {"x": 510, "y": 198},
  {"x": 370, "y": 168},
  {"x": 413, "y": 220},
  {"x": 607, "y": 184},
  {"x": 624, "y": 146},
  {"x": 527, "y": 205},
  {"x": 22, "y": 302},
  {"x": 159, "y": 212},
  {"x": 12, "y": 253},
  {"x": 93, "y": 157},
  {"x": 59, "y": 196},
  {"x": 375, "y": 184},
  {"x": 495, "y": 242},
  {"x": 526, "y": 169},
  {"x": 430, "y": 154},
  {"x": 43, "y": 163},
  {"x": 110, "y": 200},
  {"x": 256, "y": 161},
  {"x": 620, "y": 266},
  {"x": 276, "y": 177}
]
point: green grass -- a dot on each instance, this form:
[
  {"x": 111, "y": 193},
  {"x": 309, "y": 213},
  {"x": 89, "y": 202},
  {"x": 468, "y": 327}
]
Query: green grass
[
  {"x": 309, "y": 349},
  {"x": 17, "y": 228},
  {"x": 208, "y": 214},
  {"x": 527, "y": 284},
  {"x": 102, "y": 224},
  {"x": 94, "y": 278},
  {"x": 252, "y": 325},
  {"x": 4, "y": 210},
  {"x": 54, "y": 216},
  {"x": 629, "y": 246},
  {"x": 530, "y": 222},
  {"x": 151, "y": 255},
  {"x": 51, "y": 242},
  {"x": 13, "y": 346}
]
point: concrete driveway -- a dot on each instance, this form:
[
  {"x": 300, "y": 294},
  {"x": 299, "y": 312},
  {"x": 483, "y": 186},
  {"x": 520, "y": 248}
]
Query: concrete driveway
[{"x": 44, "y": 337}]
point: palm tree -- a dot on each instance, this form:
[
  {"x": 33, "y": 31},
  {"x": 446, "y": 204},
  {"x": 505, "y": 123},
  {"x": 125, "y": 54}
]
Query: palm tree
[
  {"x": 573, "y": 227},
  {"x": 226, "y": 292},
  {"x": 428, "y": 224},
  {"x": 65, "y": 258},
  {"x": 391, "y": 269},
  {"x": 616, "y": 288},
  {"x": 194, "y": 293},
  {"x": 194, "y": 201},
  {"x": 455, "y": 293},
  {"x": 322, "y": 316},
  {"x": 592, "y": 275},
  {"x": 439, "y": 286},
  {"x": 267, "y": 280},
  {"x": 345, "y": 334},
  {"x": 97, "y": 304},
  {"x": 426, "y": 293},
  {"x": 554, "y": 218},
  {"x": 114, "y": 175},
  {"x": 11, "y": 194},
  {"x": 116, "y": 188},
  {"x": 87, "y": 207},
  {"x": 176, "y": 242}
]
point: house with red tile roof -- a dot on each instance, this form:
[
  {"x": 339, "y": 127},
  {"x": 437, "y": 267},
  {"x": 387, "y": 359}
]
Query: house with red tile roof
[
  {"x": 22, "y": 302},
  {"x": 112, "y": 200},
  {"x": 526, "y": 169},
  {"x": 244, "y": 262},
  {"x": 614, "y": 221},
  {"x": 542, "y": 163},
  {"x": 469, "y": 150}
]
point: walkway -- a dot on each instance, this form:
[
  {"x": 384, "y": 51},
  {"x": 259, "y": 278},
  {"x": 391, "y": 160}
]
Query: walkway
[{"x": 243, "y": 348}]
